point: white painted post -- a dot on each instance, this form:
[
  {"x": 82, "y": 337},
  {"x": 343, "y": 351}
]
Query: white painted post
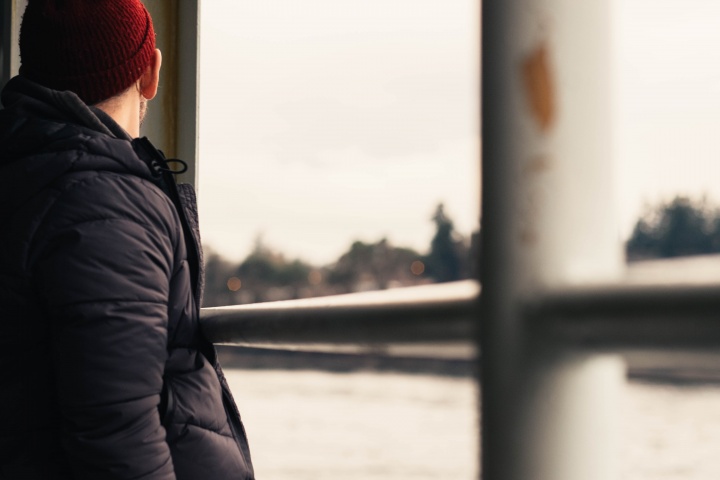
[
  {"x": 188, "y": 77},
  {"x": 547, "y": 412}
]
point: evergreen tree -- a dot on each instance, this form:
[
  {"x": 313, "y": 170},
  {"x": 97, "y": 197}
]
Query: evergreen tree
[
  {"x": 266, "y": 269},
  {"x": 372, "y": 265},
  {"x": 218, "y": 272},
  {"x": 676, "y": 228},
  {"x": 443, "y": 262}
]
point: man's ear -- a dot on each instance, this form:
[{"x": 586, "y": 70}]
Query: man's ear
[{"x": 148, "y": 83}]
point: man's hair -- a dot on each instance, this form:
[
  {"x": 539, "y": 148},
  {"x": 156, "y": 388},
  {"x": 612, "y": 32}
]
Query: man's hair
[{"x": 94, "y": 48}]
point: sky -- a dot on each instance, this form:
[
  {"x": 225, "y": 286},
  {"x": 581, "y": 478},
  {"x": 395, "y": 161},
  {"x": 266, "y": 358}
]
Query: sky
[
  {"x": 328, "y": 121},
  {"x": 667, "y": 121}
]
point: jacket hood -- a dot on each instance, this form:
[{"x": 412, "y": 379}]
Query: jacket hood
[{"x": 45, "y": 134}]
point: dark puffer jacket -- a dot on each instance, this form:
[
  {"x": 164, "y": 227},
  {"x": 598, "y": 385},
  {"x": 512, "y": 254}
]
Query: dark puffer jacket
[{"x": 105, "y": 374}]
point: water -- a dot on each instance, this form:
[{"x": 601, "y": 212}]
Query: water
[
  {"x": 307, "y": 425},
  {"x": 671, "y": 432}
]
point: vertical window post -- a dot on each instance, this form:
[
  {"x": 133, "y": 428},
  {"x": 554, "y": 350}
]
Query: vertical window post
[
  {"x": 11, "y": 12},
  {"x": 547, "y": 223},
  {"x": 172, "y": 120}
]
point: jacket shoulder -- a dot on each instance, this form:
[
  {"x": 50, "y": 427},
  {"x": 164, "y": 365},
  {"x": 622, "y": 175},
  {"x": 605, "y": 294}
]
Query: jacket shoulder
[{"x": 110, "y": 204}]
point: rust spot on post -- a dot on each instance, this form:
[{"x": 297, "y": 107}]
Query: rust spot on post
[{"x": 539, "y": 90}]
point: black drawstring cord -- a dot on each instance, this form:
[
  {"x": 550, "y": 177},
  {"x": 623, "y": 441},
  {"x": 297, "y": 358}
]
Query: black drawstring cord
[
  {"x": 158, "y": 163},
  {"x": 183, "y": 166},
  {"x": 159, "y": 168}
]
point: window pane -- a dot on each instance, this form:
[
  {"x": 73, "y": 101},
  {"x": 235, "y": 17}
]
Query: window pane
[
  {"x": 324, "y": 122},
  {"x": 668, "y": 118}
]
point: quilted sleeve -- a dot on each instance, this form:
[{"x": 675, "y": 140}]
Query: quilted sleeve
[{"x": 102, "y": 263}]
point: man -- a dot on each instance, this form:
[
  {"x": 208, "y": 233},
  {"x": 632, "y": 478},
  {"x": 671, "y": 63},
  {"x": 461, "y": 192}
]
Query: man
[{"x": 105, "y": 374}]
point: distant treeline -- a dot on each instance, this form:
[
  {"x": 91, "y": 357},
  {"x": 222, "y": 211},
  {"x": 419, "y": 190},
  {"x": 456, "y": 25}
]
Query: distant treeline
[
  {"x": 267, "y": 275},
  {"x": 679, "y": 227}
]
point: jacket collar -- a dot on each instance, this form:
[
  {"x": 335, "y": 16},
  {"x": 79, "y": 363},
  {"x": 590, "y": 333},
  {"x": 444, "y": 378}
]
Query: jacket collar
[
  {"x": 46, "y": 133},
  {"x": 30, "y": 99}
]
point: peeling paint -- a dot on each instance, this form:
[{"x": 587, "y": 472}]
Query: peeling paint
[
  {"x": 528, "y": 230},
  {"x": 539, "y": 89},
  {"x": 529, "y": 212}
]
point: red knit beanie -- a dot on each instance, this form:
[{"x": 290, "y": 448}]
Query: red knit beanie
[{"x": 95, "y": 48}]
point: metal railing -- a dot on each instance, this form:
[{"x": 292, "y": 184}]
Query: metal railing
[
  {"x": 658, "y": 305},
  {"x": 434, "y": 320}
]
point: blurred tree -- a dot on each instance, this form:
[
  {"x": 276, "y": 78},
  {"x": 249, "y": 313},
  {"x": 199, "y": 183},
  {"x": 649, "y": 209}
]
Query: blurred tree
[
  {"x": 676, "y": 228},
  {"x": 443, "y": 263},
  {"x": 372, "y": 266},
  {"x": 346, "y": 271},
  {"x": 218, "y": 273},
  {"x": 266, "y": 275}
]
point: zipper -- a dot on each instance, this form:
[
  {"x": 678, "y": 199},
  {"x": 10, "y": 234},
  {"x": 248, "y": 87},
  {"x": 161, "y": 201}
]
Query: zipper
[{"x": 162, "y": 175}]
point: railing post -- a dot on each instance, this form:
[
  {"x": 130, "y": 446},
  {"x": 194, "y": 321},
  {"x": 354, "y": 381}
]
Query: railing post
[{"x": 547, "y": 222}]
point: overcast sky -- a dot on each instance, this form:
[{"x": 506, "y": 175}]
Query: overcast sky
[
  {"x": 668, "y": 104},
  {"x": 325, "y": 121}
]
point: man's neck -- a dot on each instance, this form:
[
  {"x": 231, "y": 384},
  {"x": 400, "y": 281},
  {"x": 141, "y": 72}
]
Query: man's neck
[{"x": 125, "y": 110}]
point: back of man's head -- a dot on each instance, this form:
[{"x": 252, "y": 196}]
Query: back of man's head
[{"x": 94, "y": 48}]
